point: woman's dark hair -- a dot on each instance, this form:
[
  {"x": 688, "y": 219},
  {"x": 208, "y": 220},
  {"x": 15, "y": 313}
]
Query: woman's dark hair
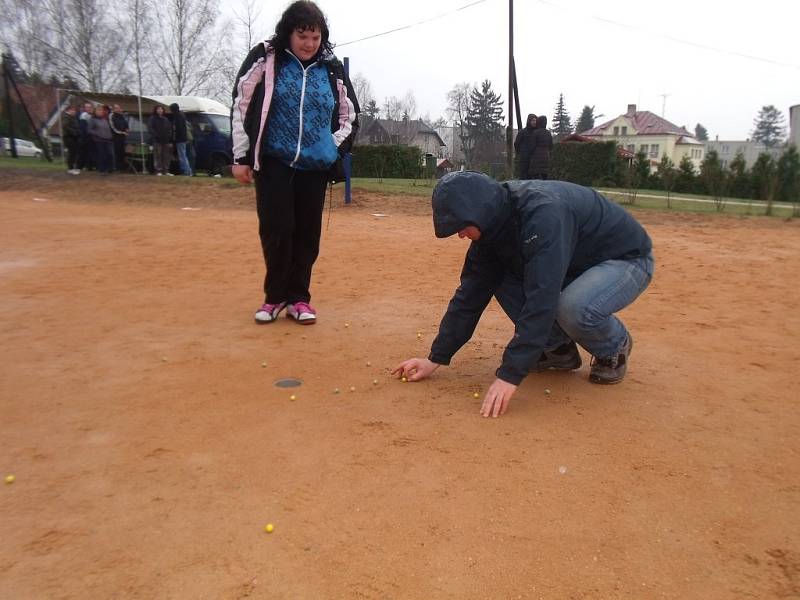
[
  {"x": 156, "y": 107},
  {"x": 531, "y": 121},
  {"x": 300, "y": 15}
]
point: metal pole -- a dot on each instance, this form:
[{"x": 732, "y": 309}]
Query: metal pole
[
  {"x": 12, "y": 143},
  {"x": 141, "y": 127},
  {"x": 348, "y": 158},
  {"x": 516, "y": 93},
  {"x": 61, "y": 128},
  {"x": 510, "y": 128}
]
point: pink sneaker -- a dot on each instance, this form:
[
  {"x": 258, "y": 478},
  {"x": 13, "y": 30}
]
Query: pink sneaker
[
  {"x": 302, "y": 312},
  {"x": 269, "y": 312}
]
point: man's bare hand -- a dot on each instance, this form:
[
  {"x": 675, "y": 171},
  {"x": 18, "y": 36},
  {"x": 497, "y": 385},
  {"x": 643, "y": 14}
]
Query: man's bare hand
[
  {"x": 497, "y": 398},
  {"x": 415, "y": 369}
]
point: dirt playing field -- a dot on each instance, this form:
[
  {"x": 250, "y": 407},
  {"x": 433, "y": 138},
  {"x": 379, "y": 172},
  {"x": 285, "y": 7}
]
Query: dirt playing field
[{"x": 150, "y": 447}]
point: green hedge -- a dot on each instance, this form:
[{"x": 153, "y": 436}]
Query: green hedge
[
  {"x": 394, "y": 162},
  {"x": 586, "y": 163}
]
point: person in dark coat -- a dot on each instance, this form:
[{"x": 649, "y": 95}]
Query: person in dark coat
[
  {"x": 180, "y": 137},
  {"x": 541, "y": 146},
  {"x": 71, "y": 133},
  {"x": 160, "y": 138},
  {"x": 522, "y": 147},
  {"x": 559, "y": 258},
  {"x": 119, "y": 131}
]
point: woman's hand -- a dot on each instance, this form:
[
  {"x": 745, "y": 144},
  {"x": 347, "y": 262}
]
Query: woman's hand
[
  {"x": 415, "y": 369},
  {"x": 242, "y": 173}
]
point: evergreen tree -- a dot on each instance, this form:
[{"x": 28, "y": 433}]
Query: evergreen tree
[
  {"x": 788, "y": 172},
  {"x": 762, "y": 177},
  {"x": 665, "y": 170},
  {"x": 484, "y": 125},
  {"x": 562, "y": 124},
  {"x": 665, "y": 176},
  {"x": 13, "y": 66},
  {"x": 701, "y": 133},
  {"x": 586, "y": 120},
  {"x": 740, "y": 178},
  {"x": 770, "y": 127},
  {"x": 641, "y": 170},
  {"x": 685, "y": 180},
  {"x": 372, "y": 109},
  {"x": 713, "y": 178}
]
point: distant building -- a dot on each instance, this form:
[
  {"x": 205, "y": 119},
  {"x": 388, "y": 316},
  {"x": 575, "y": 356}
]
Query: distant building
[
  {"x": 794, "y": 125},
  {"x": 407, "y": 132},
  {"x": 655, "y": 136},
  {"x": 453, "y": 149},
  {"x": 728, "y": 149}
]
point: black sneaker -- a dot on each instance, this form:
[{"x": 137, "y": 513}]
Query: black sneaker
[
  {"x": 563, "y": 358},
  {"x": 611, "y": 370}
]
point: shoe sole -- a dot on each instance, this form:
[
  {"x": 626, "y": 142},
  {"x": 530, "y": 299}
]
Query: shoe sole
[
  {"x": 605, "y": 381},
  {"x": 275, "y": 318},
  {"x": 304, "y": 322},
  {"x": 573, "y": 367}
]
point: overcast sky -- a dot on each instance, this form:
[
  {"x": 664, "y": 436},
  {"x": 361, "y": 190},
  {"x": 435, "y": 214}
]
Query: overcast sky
[{"x": 719, "y": 61}]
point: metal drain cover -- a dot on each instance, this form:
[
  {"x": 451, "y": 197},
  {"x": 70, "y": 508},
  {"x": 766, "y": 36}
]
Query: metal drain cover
[{"x": 288, "y": 382}]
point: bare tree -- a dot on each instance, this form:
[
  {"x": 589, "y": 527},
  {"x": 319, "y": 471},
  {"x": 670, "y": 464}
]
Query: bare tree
[
  {"x": 409, "y": 104},
  {"x": 246, "y": 19},
  {"x": 458, "y": 103},
  {"x": 188, "y": 50},
  {"x": 138, "y": 14},
  {"x": 393, "y": 108},
  {"x": 21, "y": 28},
  {"x": 363, "y": 89},
  {"x": 82, "y": 45}
]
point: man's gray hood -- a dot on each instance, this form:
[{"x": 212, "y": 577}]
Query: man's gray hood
[{"x": 467, "y": 198}]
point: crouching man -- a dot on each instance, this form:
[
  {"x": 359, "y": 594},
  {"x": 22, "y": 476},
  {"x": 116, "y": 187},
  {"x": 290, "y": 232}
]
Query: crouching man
[{"x": 559, "y": 258}]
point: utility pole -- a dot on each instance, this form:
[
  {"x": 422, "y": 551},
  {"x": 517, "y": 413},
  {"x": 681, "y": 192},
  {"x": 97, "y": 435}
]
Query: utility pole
[
  {"x": 7, "y": 83},
  {"x": 510, "y": 128},
  {"x": 664, "y": 103}
]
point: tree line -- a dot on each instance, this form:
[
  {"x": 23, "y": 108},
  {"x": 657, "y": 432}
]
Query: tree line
[{"x": 171, "y": 47}]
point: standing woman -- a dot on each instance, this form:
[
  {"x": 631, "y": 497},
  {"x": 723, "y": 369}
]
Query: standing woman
[
  {"x": 160, "y": 138},
  {"x": 522, "y": 147},
  {"x": 293, "y": 118},
  {"x": 541, "y": 146}
]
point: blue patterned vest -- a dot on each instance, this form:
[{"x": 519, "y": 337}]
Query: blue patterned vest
[{"x": 299, "y": 128}]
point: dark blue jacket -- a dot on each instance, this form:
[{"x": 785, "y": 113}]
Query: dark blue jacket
[{"x": 543, "y": 233}]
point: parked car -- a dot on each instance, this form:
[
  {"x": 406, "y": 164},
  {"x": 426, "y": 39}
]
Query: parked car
[{"x": 24, "y": 148}]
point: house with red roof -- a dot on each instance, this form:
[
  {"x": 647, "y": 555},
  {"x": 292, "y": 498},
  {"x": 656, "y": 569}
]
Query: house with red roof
[{"x": 643, "y": 130}]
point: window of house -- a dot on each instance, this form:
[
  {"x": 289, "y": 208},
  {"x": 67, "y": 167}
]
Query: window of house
[
  {"x": 724, "y": 164},
  {"x": 616, "y": 130},
  {"x": 726, "y": 149},
  {"x": 653, "y": 150},
  {"x": 631, "y": 148},
  {"x": 624, "y": 130},
  {"x": 395, "y": 139},
  {"x": 643, "y": 148}
]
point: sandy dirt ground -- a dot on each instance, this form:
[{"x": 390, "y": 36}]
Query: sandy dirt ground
[{"x": 150, "y": 445}]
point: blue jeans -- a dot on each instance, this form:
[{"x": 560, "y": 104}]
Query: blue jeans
[
  {"x": 587, "y": 305},
  {"x": 183, "y": 161}
]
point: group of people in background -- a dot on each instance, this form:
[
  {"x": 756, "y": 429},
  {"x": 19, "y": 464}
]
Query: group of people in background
[
  {"x": 95, "y": 137},
  {"x": 533, "y": 146}
]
